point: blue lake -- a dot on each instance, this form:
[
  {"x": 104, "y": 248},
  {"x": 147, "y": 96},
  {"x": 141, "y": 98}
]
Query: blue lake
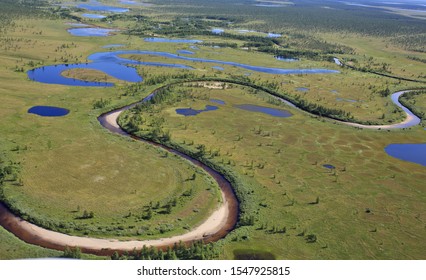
[
  {"x": 166, "y": 40},
  {"x": 266, "y": 110},
  {"x": 218, "y": 101},
  {"x": 192, "y": 112},
  {"x": 112, "y": 64},
  {"x": 52, "y": 74},
  {"x": 184, "y": 52},
  {"x": 91, "y": 31},
  {"x": 103, "y": 8},
  {"x": 113, "y": 46},
  {"x": 409, "y": 152},
  {"x": 48, "y": 111},
  {"x": 93, "y": 16}
]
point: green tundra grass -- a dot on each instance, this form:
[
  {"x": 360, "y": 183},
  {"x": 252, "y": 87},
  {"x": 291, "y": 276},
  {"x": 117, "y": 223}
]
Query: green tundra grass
[{"x": 369, "y": 206}]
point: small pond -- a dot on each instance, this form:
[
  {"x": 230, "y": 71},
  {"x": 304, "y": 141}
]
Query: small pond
[
  {"x": 217, "y": 30},
  {"x": 93, "y": 16},
  {"x": 266, "y": 110},
  {"x": 166, "y": 40},
  {"x": 48, "y": 111},
  {"x": 192, "y": 112},
  {"x": 103, "y": 8},
  {"x": 218, "y": 68},
  {"x": 91, "y": 31},
  {"x": 329, "y": 166},
  {"x": 218, "y": 101},
  {"x": 286, "y": 59},
  {"x": 409, "y": 152}
]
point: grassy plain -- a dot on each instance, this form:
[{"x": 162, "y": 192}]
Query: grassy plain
[
  {"x": 368, "y": 206},
  {"x": 94, "y": 171}
]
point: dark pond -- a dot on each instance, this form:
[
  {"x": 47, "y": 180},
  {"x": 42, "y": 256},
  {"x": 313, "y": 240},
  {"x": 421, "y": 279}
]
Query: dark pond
[
  {"x": 166, "y": 40},
  {"x": 266, "y": 110},
  {"x": 218, "y": 101},
  {"x": 48, "y": 111},
  {"x": 248, "y": 254},
  {"x": 192, "y": 112},
  {"x": 93, "y": 16},
  {"x": 91, "y": 31},
  {"x": 329, "y": 166},
  {"x": 409, "y": 152},
  {"x": 99, "y": 7},
  {"x": 286, "y": 59}
]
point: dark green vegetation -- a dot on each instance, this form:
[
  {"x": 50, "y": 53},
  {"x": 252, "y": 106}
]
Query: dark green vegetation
[
  {"x": 90, "y": 182},
  {"x": 180, "y": 251},
  {"x": 247, "y": 254}
]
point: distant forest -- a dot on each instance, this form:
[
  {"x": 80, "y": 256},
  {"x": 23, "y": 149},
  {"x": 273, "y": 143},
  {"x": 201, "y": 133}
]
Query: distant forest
[{"x": 310, "y": 15}]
